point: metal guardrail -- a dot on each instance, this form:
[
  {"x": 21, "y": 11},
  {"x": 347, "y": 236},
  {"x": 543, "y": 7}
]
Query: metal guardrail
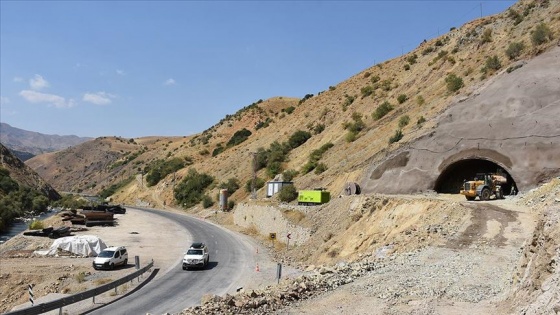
[{"x": 58, "y": 304}]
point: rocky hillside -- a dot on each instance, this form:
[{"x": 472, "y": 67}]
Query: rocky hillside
[
  {"x": 24, "y": 175},
  {"x": 26, "y": 144},
  {"x": 363, "y": 119}
]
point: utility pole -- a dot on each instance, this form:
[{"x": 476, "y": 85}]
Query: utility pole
[{"x": 254, "y": 181}]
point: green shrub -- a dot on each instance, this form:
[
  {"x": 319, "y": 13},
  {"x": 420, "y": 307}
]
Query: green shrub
[
  {"x": 305, "y": 98},
  {"x": 259, "y": 183},
  {"x": 406, "y": 67},
  {"x": 318, "y": 128},
  {"x": 320, "y": 168},
  {"x": 298, "y": 138},
  {"x": 396, "y": 137},
  {"x": 238, "y": 137},
  {"x": 515, "y": 16},
  {"x": 36, "y": 225},
  {"x": 274, "y": 168},
  {"x": 190, "y": 190},
  {"x": 454, "y": 83},
  {"x": 349, "y": 100},
  {"x": 382, "y": 110},
  {"x": 386, "y": 85},
  {"x": 288, "y": 175},
  {"x": 412, "y": 59},
  {"x": 219, "y": 149},
  {"x": 287, "y": 193},
  {"x": 289, "y": 110},
  {"x": 161, "y": 168},
  {"x": 514, "y": 50},
  {"x": 109, "y": 191},
  {"x": 420, "y": 100},
  {"x": 231, "y": 204},
  {"x": 367, "y": 91},
  {"x": 402, "y": 98},
  {"x": 493, "y": 63},
  {"x": 403, "y": 121},
  {"x": 207, "y": 202},
  {"x": 232, "y": 185},
  {"x": 263, "y": 124},
  {"x": 375, "y": 79},
  {"x": 421, "y": 120},
  {"x": 486, "y": 36},
  {"x": 541, "y": 34},
  {"x": 351, "y": 136},
  {"x": 427, "y": 50}
]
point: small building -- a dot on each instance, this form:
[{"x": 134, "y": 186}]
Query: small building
[{"x": 273, "y": 187}]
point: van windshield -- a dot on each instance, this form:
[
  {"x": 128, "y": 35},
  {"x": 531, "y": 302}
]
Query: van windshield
[{"x": 106, "y": 254}]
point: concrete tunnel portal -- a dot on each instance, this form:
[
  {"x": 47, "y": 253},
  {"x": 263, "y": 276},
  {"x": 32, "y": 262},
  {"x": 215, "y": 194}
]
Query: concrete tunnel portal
[{"x": 452, "y": 177}]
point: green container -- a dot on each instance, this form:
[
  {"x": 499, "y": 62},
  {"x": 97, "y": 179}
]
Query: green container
[{"x": 313, "y": 197}]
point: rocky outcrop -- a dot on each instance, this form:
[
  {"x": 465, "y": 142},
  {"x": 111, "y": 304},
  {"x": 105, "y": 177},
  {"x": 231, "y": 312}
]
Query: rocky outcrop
[{"x": 314, "y": 281}]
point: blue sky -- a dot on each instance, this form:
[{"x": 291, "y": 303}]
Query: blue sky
[{"x": 175, "y": 68}]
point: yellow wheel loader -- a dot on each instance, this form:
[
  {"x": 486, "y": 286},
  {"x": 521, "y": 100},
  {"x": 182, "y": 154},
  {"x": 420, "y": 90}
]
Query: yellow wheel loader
[{"x": 484, "y": 186}]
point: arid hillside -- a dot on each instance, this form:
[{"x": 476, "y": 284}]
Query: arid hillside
[{"x": 367, "y": 119}]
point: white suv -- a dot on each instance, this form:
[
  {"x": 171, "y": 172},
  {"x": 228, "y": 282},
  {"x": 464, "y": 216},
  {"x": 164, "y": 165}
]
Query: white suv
[
  {"x": 196, "y": 256},
  {"x": 111, "y": 257}
]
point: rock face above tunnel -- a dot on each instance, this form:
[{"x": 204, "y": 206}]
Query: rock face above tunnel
[{"x": 512, "y": 123}]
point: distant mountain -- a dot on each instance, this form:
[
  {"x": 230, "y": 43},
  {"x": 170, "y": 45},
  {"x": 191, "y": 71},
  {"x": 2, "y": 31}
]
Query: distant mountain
[{"x": 26, "y": 144}]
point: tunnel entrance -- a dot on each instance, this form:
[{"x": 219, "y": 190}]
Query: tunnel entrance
[{"x": 451, "y": 179}]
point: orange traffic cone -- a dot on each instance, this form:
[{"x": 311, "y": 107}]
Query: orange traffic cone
[{"x": 257, "y": 269}]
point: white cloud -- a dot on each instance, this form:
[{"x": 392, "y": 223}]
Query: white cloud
[
  {"x": 18, "y": 79},
  {"x": 51, "y": 99},
  {"x": 99, "y": 98},
  {"x": 120, "y": 72},
  {"x": 169, "y": 81},
  {"x": 4, "y": 100},
  {"x": 38, "y": 83}
]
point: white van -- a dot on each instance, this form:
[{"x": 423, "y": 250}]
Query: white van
[{"x": 111, "y": 257}]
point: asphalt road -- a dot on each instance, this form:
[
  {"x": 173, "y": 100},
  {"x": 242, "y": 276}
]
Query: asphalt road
[{"x": 230, "y": 258}]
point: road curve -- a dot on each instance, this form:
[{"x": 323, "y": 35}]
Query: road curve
[{"x": 230, "y": 258}]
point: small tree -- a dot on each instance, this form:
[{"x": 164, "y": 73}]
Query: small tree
[
  {"x": 541, "y": 34},
  {"x": 207, "y": 202},
  {"x": 454, "y": 83},
  {"x": 492, "y": 63},
  {"x": 403, "y": 121},
  {"x": 402, "y": 98},
  {"x": 382, "y": 110},
  {"x": 514, "y": 50},
  {"x": 287, "y": 193}
]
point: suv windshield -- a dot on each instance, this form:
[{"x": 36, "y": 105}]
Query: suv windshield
[
  {"x": 106, "y": 254},
  {"x": 194, "y": 252}
]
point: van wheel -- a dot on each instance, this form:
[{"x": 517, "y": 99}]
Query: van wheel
[
  {"x": 125, "y": 262},
  {"x": 112, "y": 266}
]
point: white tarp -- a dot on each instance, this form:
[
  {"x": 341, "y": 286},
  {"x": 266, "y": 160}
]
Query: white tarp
[{"x": 81, "y": 245}]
